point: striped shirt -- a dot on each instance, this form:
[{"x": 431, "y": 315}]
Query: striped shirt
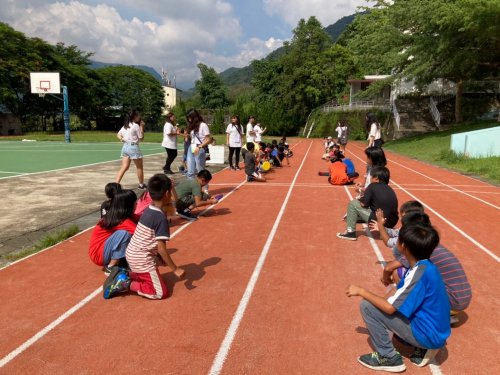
[
  {"x": 143, "y": 247},
  {"x": 457, "y": 286}
]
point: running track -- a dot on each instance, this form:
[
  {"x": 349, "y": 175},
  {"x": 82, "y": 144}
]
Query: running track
[{"x": 265, "y": 284}]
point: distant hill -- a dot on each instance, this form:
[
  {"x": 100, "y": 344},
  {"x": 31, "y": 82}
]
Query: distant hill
[
  {"x": 147, "y": 69},
  {"x": 242, "y": 76}
]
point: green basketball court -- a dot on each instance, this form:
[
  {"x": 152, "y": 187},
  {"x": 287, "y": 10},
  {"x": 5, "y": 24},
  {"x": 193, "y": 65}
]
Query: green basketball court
[{"x": 19, "y": 158}]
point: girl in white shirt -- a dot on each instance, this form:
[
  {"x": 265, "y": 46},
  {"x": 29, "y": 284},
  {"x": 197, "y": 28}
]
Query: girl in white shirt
[
  {"x": 258, "y": 133},
  {"x": 234, "y": 139},
  {"x": 170, "y": 133},
  {"x": 250, "y": 134},
  {"x": 131, "y": 133},
  {"x": 375, "y": 134},
  {"x": 200, "y": 137}
]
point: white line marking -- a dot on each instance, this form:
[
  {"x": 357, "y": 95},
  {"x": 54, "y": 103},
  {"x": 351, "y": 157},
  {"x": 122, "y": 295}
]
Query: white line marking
[
  {"x": 5, "y": 172},
  {"x": 479, "y": 245},
  {"x": 70, "y": 168},
  {"x": 221, "y": 356}
]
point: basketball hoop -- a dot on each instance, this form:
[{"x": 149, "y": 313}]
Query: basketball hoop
[{"x": 41, "y": 91}]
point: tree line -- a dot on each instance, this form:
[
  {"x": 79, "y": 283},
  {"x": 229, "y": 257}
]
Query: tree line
[{"x": 98, "y": 98}]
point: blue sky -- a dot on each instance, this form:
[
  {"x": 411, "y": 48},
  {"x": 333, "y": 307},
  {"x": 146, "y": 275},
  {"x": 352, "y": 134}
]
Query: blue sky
[{"x": 174, "y": 34}]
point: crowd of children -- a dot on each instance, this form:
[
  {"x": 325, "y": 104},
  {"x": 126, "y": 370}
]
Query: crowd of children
[
  {"x": 427, "y": 284},
  {"x": 261, "y": 157}
]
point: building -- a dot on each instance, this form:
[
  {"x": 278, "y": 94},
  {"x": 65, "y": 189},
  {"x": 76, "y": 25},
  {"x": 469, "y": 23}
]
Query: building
[{"x": 170, "y": 91}]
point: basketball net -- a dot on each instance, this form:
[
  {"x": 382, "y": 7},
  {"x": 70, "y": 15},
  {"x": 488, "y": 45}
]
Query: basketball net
[{"x": 41, "y": 91}]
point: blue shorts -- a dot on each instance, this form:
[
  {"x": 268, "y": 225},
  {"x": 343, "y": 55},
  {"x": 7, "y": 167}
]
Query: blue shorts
[
  {"x": 116, "y": 245},
  {"x": 131, "y": 151}
]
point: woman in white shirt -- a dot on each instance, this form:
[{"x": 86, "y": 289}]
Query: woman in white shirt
[
  {"x": 234, "y": 139},
  {"x": 375, "y": 134},
  {"x": 131, "y": 133},
  {"x": 250, "y": 134},
  {"x": 170, "y": 133},
  {"x": 258, "y": 133},
  {"x": 200, "y": 137}
]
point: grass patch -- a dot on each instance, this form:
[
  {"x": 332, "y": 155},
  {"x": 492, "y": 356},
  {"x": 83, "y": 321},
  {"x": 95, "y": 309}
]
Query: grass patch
[
  {"x": 45, "y": 242},
  {"x": 435, "y": 148}
]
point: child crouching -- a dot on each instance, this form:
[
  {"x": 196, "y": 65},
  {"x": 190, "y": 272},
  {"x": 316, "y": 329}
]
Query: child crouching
[{"x": 146, "y": 249}]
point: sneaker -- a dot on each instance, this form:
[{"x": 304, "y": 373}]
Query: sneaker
[
  {"x": 422, "y": 357},
  {"x": 350, "y": 236},
  {"x": 182, "y": 169},
  {"x": 375, "y": 361},
  {"x": 186, "y": 214},
  {"x": 117, "y": 282},
  {"x": 142, "y": 186},
  {"x": 454, "y": 319},
  {"x": 218, "y": 197},
  {"x": 237, "y": 168},
  {"x": 107, "y": 270}
]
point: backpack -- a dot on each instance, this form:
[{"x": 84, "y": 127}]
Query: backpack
[{"x": 343, "y": 136}]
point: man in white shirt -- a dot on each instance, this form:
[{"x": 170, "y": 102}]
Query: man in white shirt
[
  {"x": 258, "y": 130},
  {"x": 250, "y": 134}
]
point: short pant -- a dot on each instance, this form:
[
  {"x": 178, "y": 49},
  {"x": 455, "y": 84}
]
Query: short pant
[{"x": 131, "y": 151}]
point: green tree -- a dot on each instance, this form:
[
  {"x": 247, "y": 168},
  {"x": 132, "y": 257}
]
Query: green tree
[
  {"x": 425, "y": 40},
  {"x": 131, "y": 88},
  {"x": 211, "y": 89}
]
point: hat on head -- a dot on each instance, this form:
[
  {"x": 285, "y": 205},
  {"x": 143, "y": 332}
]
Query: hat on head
[{"x": 330, "y": 138}]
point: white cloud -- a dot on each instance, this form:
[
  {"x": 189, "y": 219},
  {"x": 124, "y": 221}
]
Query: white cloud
[
  {"x": 326, "y": 11},
  {"x": 172, "y": 34}
]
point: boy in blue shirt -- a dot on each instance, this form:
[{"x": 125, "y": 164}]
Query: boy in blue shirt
[{"x": 417, "y": 312}]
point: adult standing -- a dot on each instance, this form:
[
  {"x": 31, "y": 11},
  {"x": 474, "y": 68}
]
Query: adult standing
[
  {"x": 170, "y": 133},
  {"x": 200, "y": 138},
  {"x": 342, "y": 134},
  {"x": 131, "y": 133},
  {"x": 259, "y": 131},
  {"x": 250, "y": 134},
  {"x": 234, "y": 139},
  {"x": 375, "y": 133}
]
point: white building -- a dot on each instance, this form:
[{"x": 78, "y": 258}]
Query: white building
[{"x": 170, "y": 91}]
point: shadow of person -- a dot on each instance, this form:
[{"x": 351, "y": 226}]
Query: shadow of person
[
  {"x": 217, "y": 212},
  {"x": 195, "y": 272}
]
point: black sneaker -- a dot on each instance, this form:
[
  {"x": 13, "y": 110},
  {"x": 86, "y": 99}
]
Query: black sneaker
[
  {"x": 186, "y": 214},
  {"x": 350, "y": 236},
  {"x": 142, "y": 186},
  {"x": 422, "y": 357},
  {"x": 107, "y": 270},
  {"x": 117, "y": 282},
  {"x": 376, "y": 362}
]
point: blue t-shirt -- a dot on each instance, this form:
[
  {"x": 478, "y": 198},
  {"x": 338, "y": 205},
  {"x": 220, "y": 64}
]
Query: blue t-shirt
[
  {"x": 350, "y": 165},
  {"x": 421, "y": 297}
]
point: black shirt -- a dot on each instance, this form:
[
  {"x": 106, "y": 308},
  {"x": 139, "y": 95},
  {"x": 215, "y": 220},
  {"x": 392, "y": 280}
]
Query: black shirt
[
  {"x": 249, "y": 163},
  {"x": 380, "y": 195}
]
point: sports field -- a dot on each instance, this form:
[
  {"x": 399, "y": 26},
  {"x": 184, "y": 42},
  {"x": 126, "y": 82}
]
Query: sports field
[
  {"x": 264, "y": 291},
  {"x": 19, "y": 158}
]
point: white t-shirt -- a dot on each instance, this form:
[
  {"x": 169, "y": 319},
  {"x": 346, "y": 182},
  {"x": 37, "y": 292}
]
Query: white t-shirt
[
  {"x": 199, "y": 137},
  {"x": 131, "y": 135},
  {"x": 234, "y": 132},
  {"x": 169, "y": 141},
  {"x": 258, "y": 133},
  {"x": 375, "y": 131},
  {"x": 339, "y": 131},
  {"x": 250, "y": 137}
]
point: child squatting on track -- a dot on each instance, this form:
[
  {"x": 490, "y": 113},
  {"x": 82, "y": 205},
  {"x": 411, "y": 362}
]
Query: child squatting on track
[
  {"x": 455, "y": 280},
  {"x": 417, "y": 312},
  {"x": 147, "y": 249},
  {"x": 251, "y": 164}
]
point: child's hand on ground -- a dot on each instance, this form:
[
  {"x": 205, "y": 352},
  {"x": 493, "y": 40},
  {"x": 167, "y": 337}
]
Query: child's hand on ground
[
  {"x": 353, "y": 290},
  {"x": 179, "y": 272}
]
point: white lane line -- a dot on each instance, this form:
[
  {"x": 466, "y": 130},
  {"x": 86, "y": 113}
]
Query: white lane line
[
  {"x": 21, "y": 348},
  {"x": 435, "y": 369},
  {"x": 475, "y": 242},
  {"x": 225, "y": 346},
  {"x": 13, "y": 354},
  {"x": 70, "y": 168},
  {"x": 443, "y": 184},
  {"x": 6, "y": 172}
]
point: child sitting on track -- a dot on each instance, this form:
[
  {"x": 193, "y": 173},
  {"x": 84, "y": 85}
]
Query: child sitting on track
[
  {"x": 283, "y": 143},
  {"x": 417, "y": 312},
  {"x": 110, "y": 190},
  {"x": 146, "y": 249},
  {"x": 191, "y": 196},
  {"x": 457, "y": 286},
  {"x": 338, "y": 174},
  {"x": 378, "y": 195},
  {"x": 111, "y": 235},
  {"x": 251, "y": 163}
]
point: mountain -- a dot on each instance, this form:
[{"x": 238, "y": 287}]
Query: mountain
[
  {"x": 147, "y": 69},
  {"x": 242, "y": 76}
]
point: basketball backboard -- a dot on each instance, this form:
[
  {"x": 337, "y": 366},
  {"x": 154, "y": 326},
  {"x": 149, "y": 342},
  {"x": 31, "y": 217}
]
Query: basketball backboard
[{"x": 45, "y": 83}]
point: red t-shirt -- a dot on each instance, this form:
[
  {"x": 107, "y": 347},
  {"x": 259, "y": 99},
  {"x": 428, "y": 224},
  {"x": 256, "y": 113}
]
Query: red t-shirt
[
  {"x": 100, "y": 235},
  {"x": 338, "y": 173}
]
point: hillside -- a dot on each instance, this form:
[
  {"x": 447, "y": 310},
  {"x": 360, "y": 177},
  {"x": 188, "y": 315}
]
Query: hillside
[
  {"x": 147, "y": 69},
  {"x": 242, "y": 76}
]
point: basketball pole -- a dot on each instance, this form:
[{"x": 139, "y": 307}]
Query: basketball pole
[{"x": 67, "y": 135}]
